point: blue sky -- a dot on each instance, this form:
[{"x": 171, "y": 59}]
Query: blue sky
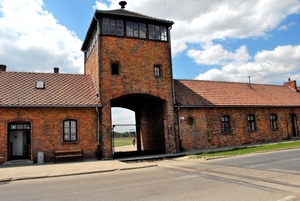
[
  {"x": 212, "y": 40},
  {"x": 225, "y": 40}
]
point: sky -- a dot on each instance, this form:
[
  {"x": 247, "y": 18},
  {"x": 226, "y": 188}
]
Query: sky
[{"x": 226, "y": 40}]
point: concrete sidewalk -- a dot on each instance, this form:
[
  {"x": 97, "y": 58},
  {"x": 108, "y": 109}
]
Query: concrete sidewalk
[{"x": 34, "y": 171}]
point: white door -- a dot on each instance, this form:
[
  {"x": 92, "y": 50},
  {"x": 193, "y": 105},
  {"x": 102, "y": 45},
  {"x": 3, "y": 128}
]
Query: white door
[{"x": 16, "y": 137}]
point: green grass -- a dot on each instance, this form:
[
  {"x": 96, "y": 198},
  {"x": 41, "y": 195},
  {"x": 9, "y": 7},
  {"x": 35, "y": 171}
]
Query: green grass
[
  {"x": 119, "y": 142},
  {"x": 254, "y": 149}
]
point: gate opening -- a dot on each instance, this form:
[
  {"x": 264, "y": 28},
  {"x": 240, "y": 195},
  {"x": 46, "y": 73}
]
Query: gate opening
[{"x": 146, "y": 124}]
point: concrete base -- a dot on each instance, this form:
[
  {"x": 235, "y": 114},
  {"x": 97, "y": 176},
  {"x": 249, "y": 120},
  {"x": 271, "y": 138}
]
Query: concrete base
[{"x": 17, "y": 163}]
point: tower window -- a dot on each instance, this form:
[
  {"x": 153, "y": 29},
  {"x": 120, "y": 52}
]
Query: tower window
[
  {"x": 137, "y": 30},
  {"x": 112, "y": 27},
  {"x": 157, "y": 32},
  {"x": 157, "y": 72},
  {"x": 115, "y": 69}
]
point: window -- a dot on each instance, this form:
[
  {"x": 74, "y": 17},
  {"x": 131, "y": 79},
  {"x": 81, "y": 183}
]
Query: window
[
  {"x": 115, "y": 69},
  {"x": 251, "y": 122},
  {"x": 142, "y": 29},
  {"x": 157, "y": 71},
  {"x": 70, "y": 130},
  {"x": 157, "y": 32},
  {"x": 40, "y": 85},
  {"x": 273, "y": 118},
  {"x": 134, "y": 29},
  {"x": 190, "y": 120},
  {"x": 112, "y": 27},
  {"x": 225, "y": 124}
]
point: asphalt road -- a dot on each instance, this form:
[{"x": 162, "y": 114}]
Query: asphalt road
[{"x": 270, "y": 176}]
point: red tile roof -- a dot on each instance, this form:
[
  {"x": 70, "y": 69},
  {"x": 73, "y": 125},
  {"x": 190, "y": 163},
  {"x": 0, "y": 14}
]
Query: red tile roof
[
  {"x": 198, "y": 93},
  {"x": 61, "y": 90}
]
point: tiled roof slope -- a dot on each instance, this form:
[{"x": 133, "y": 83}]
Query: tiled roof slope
[
  {"x": 198, "y": 93},
  {"x": 61, "y": 90}
]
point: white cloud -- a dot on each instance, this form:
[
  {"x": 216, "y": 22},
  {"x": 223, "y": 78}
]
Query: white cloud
[
  {"x": 286, "y": 27},
  {"x": 215, "y": 54},
  {"x": 204, "y": 21},
  {"x": 268, "y": 66},
  {"x": 37, "y": 39}
]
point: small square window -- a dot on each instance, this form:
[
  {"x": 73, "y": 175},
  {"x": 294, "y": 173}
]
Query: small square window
[
  {"x": 157, "y": 72},
  {"x": 115, "y": 69},
  {"x": 40, "y": 85}
]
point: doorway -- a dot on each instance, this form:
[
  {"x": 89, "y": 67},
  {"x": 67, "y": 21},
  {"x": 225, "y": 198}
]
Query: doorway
[
  {"x": 147, "y": 127},
  {"x": 294, "y": 125},
  {"x": 18, "y": 141}
]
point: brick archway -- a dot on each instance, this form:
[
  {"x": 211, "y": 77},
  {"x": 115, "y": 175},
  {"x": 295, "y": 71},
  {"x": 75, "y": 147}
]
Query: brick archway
[{"x": 149, "y": 118}]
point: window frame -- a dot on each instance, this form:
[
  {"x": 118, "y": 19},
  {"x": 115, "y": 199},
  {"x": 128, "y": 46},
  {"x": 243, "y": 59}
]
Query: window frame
[
  {"x": 225, "y": 124},
  {"x": 69, "y": 135},
  {"x": 251, "y": 122},
  {"x": 273, "y": 121},
  {"x": 157, "y": 70},
  {"x": 113, "y": 27}
]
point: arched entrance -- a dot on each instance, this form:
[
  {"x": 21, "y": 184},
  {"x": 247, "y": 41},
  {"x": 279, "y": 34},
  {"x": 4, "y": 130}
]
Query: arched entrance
[
  {"x": 149, "y": 124},
  {"x": 18, "y": 140}
]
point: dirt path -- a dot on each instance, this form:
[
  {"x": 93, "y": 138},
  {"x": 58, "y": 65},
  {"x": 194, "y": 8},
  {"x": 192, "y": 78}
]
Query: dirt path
[{"x": 126, "y": 148}]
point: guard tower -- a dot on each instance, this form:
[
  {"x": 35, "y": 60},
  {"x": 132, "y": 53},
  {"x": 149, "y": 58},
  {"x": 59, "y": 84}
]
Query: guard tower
[{"x": 129, "y": 56}]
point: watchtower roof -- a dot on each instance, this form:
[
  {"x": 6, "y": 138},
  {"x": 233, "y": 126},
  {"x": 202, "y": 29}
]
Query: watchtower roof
[{"x": 124, "y": 15}]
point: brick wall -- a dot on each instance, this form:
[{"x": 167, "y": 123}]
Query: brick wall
[
  {"x": 136, "y": 59},
  {"x": 206, "y": 130},
  {"x": 46, "y": 130}
]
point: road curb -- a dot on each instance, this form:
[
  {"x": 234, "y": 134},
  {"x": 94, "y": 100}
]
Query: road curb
[{"x": 74, "y": 174}]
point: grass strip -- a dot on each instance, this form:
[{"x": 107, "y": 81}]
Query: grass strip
[
  {"x": 119, "y": 142},
  {"x": 252, "y": 149}
]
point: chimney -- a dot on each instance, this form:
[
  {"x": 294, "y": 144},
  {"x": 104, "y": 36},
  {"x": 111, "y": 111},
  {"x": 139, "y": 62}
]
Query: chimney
[
  {"x": 56, "y": 70},
  {"x": 2, "y": 67},
  {"x": 292, "y": 84}
]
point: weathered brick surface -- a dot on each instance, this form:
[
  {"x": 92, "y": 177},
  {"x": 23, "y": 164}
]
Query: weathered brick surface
[
  {"x": 91, "y": 65},
  {"x": 206, "y": 131},
  {"x": 136, "y": 59},
  {"x": 46, "y": 130}
]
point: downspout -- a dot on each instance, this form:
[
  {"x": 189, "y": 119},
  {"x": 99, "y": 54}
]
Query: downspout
[
  {"x": 179, "y": 130},
  {"x": 98, "y": 127},
  {"x": 173, "y": 89}
]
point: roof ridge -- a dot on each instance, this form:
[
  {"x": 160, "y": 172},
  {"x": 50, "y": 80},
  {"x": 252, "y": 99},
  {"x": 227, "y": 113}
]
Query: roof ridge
[
  {"x": 220, "y": 81},
  {"x": 50, "y": 73}
]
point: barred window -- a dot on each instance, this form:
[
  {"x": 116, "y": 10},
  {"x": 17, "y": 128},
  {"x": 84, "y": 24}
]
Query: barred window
[
  {"x": 251, "y": 122},
  {"x": 225, "y": 124},
  {"x": 70, "y": 130}
]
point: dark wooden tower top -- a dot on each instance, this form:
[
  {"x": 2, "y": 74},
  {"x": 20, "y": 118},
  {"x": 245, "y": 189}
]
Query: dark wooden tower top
[{"x": 123, "y": 16}]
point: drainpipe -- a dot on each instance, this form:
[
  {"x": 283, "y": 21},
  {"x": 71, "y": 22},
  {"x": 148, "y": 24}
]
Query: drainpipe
[
  {"x": 179, "y": 130},
  {"x": 98, "y": 126},
  {"x": 170, "y": 49}
]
